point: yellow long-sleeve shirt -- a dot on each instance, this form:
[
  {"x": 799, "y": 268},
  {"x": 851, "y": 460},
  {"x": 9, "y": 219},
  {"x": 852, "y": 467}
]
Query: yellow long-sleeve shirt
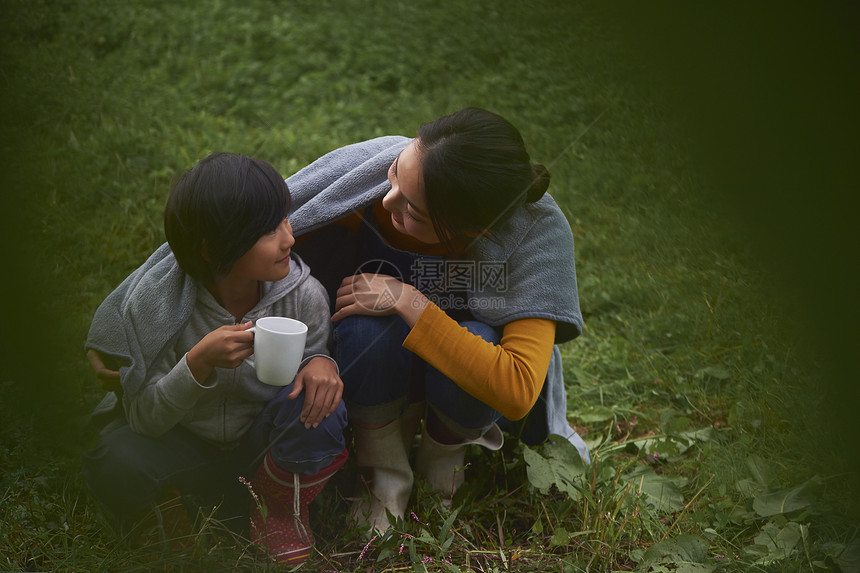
[{"x": 508, "y": 376}]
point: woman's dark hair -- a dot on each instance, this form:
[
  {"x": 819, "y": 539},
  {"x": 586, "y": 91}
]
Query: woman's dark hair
[
  {"x": 476, "y": 172},
  {"x": 218, "y": 209}
]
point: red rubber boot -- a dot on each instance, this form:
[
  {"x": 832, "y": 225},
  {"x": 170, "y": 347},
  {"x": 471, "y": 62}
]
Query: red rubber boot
[{"x": 281, "y": 525}]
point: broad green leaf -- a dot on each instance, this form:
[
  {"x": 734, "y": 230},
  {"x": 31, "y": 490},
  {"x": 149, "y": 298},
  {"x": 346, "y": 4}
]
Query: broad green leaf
[
  {"x": 658, "y": 491},
  {"x": 539, "y": 470},
  {"x": 748, "y": 488},
  {"x": 848, "y": 557},
  {"x": 673, "y": 445},
  {"x": 688, "y": 552},
  {"x": 759, "y": 470},
  {"x": 768, "y": 504},
  {"x": 560, "y": 466},
  {"x": 560, "y": 536},
  {"x": 674, "y": 422},
  {"x": 704, "y": 435},
  {"x": 780, "y": 542},
  {"x": 384, "y": 554},
  {"x": 560, "y": 449},
  {"x": 662, "y": 494},
  {"x": 595, "y": 414},
  {"x": 693, "y": 548}
]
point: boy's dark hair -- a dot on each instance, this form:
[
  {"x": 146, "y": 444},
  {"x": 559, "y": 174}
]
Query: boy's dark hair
[
  {"x": 219, "y": 208},
  {"x": 476, "y": 172}
]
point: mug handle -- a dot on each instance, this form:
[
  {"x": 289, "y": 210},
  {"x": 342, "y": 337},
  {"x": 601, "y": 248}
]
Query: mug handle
[{"x": 250, "y": 360}]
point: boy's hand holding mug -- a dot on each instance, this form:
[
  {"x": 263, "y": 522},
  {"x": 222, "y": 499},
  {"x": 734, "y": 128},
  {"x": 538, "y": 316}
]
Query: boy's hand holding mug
[{"x": 224, "y": 347}]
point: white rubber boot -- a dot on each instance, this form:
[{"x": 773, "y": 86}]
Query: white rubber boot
[
  {"x": 442, "y": 464},
  {"x": 382, "y": 460}
]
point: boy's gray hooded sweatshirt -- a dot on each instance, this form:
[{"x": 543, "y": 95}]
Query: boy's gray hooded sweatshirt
[{"x": 158, "y": 313}]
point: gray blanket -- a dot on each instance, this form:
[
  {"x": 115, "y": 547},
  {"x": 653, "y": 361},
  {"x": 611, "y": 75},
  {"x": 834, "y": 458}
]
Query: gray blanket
[
  {"x": 535, "y": 244},
  {"x": 143, "y": 316}
]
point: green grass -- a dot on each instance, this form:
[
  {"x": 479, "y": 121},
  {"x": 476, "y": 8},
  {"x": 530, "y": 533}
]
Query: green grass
[{"x": 702, "y": 384}]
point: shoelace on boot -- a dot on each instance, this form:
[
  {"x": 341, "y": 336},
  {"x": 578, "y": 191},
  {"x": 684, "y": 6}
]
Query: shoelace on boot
[{"x": 297, "y": 507}]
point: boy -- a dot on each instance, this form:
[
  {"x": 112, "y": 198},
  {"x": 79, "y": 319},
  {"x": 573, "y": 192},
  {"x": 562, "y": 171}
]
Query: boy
[{"x": 195, "y": 416}]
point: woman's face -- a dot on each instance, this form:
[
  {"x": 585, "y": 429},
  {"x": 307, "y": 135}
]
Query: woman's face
[{"x": 406, "y": 201}]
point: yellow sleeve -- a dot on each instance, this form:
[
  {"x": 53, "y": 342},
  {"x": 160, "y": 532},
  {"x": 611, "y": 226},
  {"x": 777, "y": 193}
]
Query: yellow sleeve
[{"x": 508, "y": 376}]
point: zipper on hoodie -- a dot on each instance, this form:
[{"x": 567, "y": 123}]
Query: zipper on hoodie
[
  {"x": 230, "y": 388},
  {"x": 226, "y": 402}
]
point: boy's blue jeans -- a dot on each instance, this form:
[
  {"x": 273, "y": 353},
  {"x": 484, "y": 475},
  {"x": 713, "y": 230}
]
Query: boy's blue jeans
[
  {"x": 380, "y": 377},
  {"x": 128, "y": 472}
]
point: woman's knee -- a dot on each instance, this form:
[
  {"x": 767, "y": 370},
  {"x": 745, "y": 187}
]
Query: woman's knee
[
  {"x": 363, "y": 328},
  {"x": 360, "y": 338},
  {"x": 455, "y": 407},
  {"x": 374, "y": 366}
]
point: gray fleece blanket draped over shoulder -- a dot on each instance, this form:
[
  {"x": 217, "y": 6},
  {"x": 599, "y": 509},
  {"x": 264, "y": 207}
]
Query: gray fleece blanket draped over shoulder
[
  {"x": 534, "y": 245},
  {"x": 143, "y": 316}
]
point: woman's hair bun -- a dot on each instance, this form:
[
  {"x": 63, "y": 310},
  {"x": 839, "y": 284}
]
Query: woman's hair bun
[{"x": 540, "y": 183}]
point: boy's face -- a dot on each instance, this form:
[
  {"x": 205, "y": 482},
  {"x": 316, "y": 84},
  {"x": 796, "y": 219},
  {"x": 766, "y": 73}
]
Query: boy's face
[{"x": 269, "y": 258}]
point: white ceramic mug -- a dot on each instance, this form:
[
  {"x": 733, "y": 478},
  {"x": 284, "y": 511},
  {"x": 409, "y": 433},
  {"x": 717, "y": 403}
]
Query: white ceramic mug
[{"x": 279, "y": 344}]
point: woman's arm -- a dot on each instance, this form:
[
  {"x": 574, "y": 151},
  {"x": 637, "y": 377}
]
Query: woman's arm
[
  {"x": 378, "y": 295},
  {"x": 507, "y": 376}
]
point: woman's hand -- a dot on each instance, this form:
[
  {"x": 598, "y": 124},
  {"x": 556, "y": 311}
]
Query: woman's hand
[
  {"x": 323, "y": 389},
  {"x": 378, "y": 295},
  {"x": 108, "y": 378},
  {"x": 224, "y": 347}
]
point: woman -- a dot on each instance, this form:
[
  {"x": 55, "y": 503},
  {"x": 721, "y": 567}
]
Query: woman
[{"x": 460, "y": 282}]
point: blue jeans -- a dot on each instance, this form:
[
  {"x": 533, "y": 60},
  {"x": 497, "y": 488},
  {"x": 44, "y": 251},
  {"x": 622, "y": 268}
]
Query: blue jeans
[
  {"x": 128, "y": 472},
  {"x": 380, "y": 377}
]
